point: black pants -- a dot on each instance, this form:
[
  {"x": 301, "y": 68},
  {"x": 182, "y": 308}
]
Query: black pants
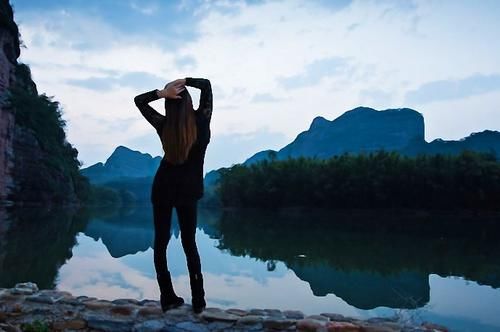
[{"x": 187, "y": 216}]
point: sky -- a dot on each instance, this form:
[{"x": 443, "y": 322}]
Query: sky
[{"x": 274, "y": 66}]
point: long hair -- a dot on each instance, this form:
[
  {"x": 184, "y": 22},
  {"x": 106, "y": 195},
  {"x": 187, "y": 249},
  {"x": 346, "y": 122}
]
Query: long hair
[{"x": 179, "y": 131}]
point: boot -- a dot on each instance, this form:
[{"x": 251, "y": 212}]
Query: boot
[
  {"x": 198, "y": 294},
  {"x": 168, "y": 298}
]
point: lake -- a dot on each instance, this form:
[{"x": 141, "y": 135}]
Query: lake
[{"x": 442, "y": 267}]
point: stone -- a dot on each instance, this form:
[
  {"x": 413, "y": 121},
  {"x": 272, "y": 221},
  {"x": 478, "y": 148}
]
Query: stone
[
  {"x": 126, "y": 301},
  {"x": 215, "y": 314},
  {"x": 25, "y": 288},
  {"x": 124, "y": 310},
  {"x": 84, "y": 298},
  {"x": 318, "y": 317},
  {"x": 7, "y": 297},
  {"x": 70, "y": 301},
  {"x": 43, "y": 298},
  {"x": 97, "y": 304},
  {"x": 219, "y": 326},
  {"x": 379, "y": 328},
  {"x": 149, "y": 311},
  {"x": 250, "y": 319},
  {"x": 238, "y": 312},
  {"x": 259, "y": 312},
  {"x": 273, "y": 312},
  {"x": 104, "y": 323},
  {"x": 295, "y": 314},
  {"x": 191, "y": 326},
  {"x": 182, "y": 310},
  {"x": 434, "y": 327},
  {"x": 278, "y": 323},
  {"x": 72, "y": 324},
  {"x": 333, "y": 326},
  {"x": 335, "y": 317},
  {"x": 149, "y": 326},
  {"x": 9, "y": 328},
  {"x": 148, "y": 303},
  {"x": 309, "y": 324}
]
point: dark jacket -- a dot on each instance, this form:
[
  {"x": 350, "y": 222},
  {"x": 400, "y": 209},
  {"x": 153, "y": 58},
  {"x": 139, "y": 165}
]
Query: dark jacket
[{"x": 180, "y": 183}]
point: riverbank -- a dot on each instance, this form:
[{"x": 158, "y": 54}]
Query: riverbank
[{"x": 27, "y": 308}]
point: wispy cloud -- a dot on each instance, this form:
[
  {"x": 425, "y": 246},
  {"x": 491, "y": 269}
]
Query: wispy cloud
[
  {"x": 315, "y": 71},
  {"x": 265, "y": 98},
  {"x": 146, "y": 9},
  {"x": 136, "y": 80},
  {"x": 454, "y": 89}
]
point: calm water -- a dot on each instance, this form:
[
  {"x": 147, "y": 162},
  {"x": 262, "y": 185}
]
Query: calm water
[{"x": 442, "y": 268}]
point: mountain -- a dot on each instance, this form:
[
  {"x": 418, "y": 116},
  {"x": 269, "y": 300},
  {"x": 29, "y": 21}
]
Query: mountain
[
  {"x": 123, "y": 163},
  {"x": 364, "y": 129}
]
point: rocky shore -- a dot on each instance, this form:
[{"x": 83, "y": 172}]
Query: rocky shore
[{"x": 26, "y": 308}]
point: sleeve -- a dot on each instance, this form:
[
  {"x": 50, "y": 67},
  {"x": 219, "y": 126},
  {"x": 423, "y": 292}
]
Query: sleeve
[
  {"x": 206, "y": 103},
  {"x": 151, "y": 115}
]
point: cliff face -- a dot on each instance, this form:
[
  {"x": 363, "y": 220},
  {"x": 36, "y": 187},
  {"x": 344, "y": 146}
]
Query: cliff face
[
  {"x": 362, "y": 129},
  {"x": 37, "y": 165},
  {"x": 9, "y": 52}
]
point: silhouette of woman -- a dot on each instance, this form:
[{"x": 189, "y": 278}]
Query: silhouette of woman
[{"x": 178, "y": 182}]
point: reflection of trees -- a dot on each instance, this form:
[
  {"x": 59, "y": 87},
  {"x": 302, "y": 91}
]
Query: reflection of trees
[
  {"x": 345, "y": 251},
  {"x": 37, "y": 244}
]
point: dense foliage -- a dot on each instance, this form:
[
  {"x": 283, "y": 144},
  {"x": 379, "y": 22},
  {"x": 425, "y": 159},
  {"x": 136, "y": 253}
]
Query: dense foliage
[
  {"x": 381, "y": 179},
  {"x": 43, "y": 117}
]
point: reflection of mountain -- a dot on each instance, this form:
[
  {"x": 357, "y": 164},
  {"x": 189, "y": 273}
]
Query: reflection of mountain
[
  {"x": 365, "y": 257},
  {"x": 128, "y": 233},
  {"x": 37, "y": 244},
  {"x": 367, "y": 289}
]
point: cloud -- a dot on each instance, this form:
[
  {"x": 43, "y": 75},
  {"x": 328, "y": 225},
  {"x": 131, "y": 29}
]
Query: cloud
[
  {"x": 264, "y": 98},
  {"x": 315, "y": 71},
  {"x": 136, "y": 80},
  {"x": 186, "y": 61},
  {"x": 146, "y": 9},
  {"x": 245, "y": 29},
  {"x": 454, "y": 89}
]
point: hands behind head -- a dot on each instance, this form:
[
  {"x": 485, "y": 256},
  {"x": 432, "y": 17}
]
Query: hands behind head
[{"x": 172, "y": 89}]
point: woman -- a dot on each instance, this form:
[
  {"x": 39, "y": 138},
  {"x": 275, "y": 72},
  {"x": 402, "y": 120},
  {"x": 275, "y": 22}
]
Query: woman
[{"x": 178, "y": 182}]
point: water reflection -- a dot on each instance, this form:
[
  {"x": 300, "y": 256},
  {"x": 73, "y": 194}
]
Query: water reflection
[
  {"x": 354, "y": 263},
  {"x": 35, "y": 243},
  {"x": 369, "y": 259}
]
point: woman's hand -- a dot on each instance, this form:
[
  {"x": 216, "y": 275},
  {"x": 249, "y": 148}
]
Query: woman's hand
[{"x": 172, "y": 89}]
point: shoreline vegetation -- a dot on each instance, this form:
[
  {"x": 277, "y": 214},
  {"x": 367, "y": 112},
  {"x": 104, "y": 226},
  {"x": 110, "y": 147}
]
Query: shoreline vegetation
[
  {"x": 470, "y": 180},
  {"x": 27, "y": 308}
]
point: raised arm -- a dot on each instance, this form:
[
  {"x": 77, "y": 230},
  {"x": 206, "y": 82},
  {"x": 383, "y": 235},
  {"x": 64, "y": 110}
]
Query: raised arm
[
  {"x": 151, "y": 115},
  {"x": 206, "y": 103}
]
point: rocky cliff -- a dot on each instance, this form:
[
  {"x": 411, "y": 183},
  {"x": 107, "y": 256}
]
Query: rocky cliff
[
  {"x": 9, "y": 52},
  {"x": 364, "y": 130},
  {"x": 37, "y": 164}
]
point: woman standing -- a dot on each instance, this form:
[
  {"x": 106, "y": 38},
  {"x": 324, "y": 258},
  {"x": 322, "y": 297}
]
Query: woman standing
[{"x": 178, "y": 182}]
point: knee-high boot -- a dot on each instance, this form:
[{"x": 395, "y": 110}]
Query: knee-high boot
[
  {"x": 197, "y": 292},
  {"x": 168, "y": 298}
]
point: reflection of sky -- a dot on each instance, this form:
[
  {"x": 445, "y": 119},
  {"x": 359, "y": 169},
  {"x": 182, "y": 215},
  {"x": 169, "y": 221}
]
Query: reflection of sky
[{"x": 245, "y": 282}]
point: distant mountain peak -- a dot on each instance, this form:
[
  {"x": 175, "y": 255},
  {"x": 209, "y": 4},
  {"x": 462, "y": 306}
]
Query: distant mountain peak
[
  {"x": 319, "y": 122},
  {"x": 123, "y": 162}
]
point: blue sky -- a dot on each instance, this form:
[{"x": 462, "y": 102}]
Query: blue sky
[{"x": 274, "y": 66}]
